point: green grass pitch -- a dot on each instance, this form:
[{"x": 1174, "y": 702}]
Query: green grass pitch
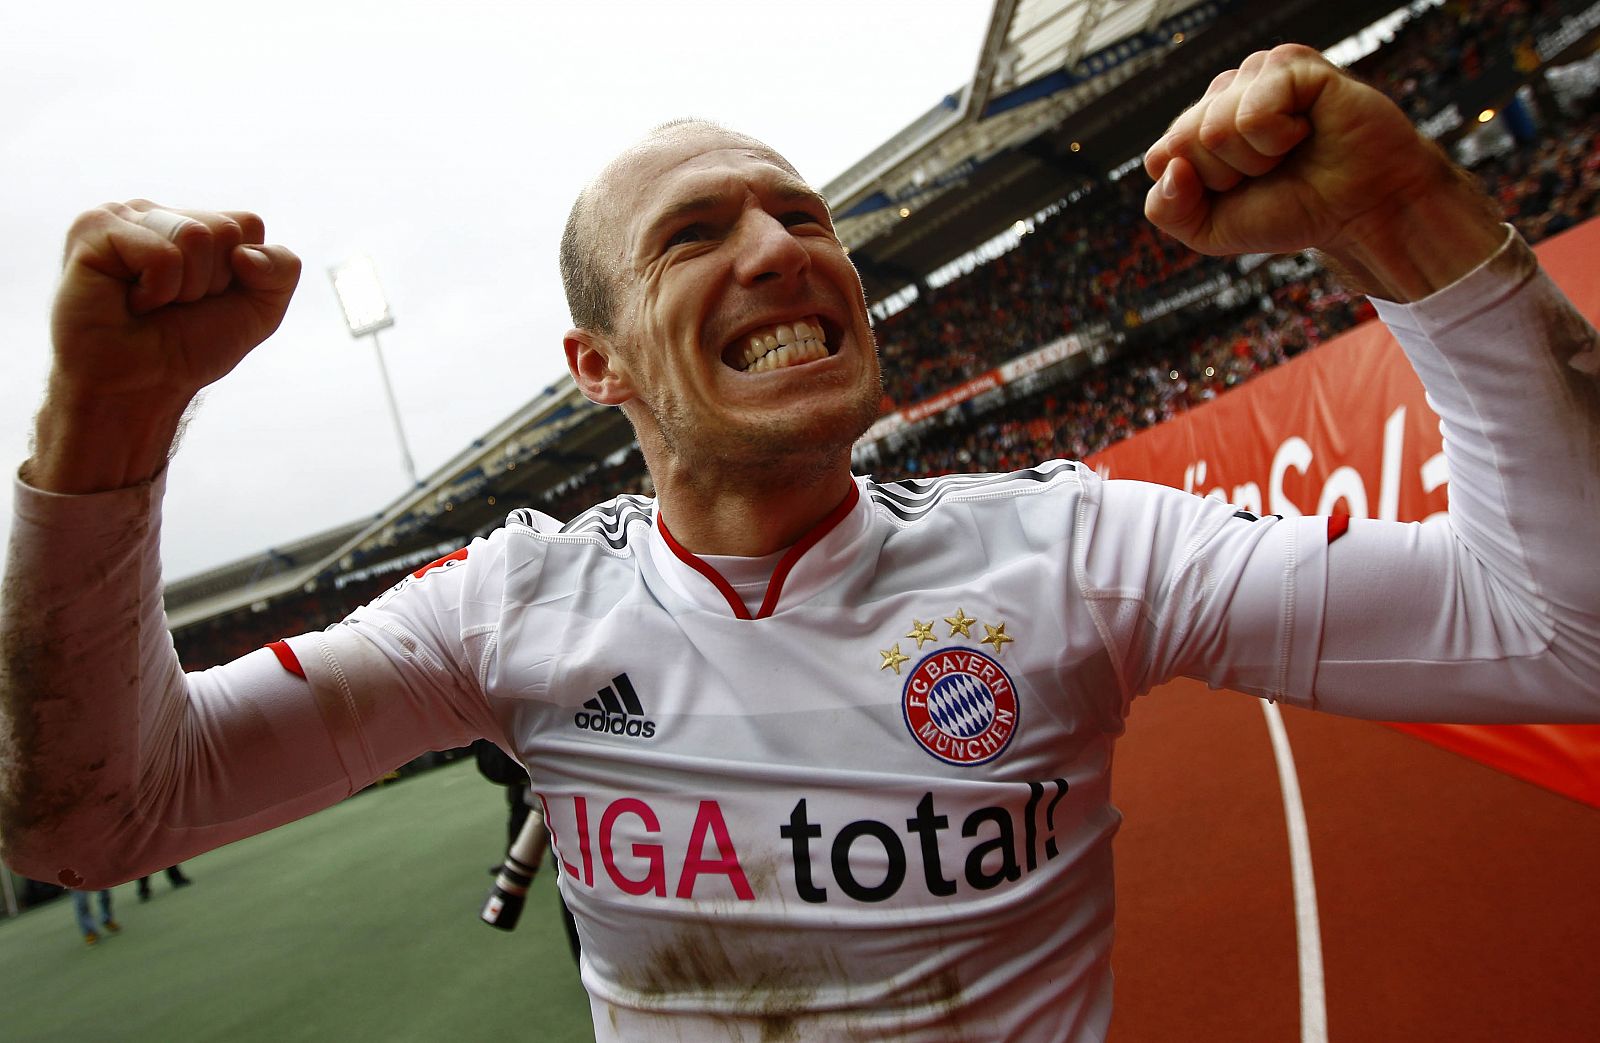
[{"x": 359, "y": 923}]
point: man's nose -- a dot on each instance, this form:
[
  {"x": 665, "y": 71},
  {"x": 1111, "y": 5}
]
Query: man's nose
[{"x": 767, "y": 250}]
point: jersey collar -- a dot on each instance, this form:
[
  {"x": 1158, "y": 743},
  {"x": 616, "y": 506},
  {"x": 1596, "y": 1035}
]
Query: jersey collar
[{"x": 804, "y": 569}]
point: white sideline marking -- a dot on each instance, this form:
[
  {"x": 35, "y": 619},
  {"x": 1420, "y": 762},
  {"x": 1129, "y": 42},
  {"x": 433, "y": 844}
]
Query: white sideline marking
[{"x": 1307, "y": 928}]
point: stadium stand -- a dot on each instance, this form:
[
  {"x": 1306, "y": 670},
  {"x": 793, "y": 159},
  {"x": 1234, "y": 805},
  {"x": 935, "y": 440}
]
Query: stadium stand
[{"x": 1157, "y": 328}]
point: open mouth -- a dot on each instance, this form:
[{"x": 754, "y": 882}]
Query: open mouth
[{"x": 783, "y": 345}]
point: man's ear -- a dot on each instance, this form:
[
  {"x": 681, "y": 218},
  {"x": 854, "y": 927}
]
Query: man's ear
[{"x": 596, "y": 368}]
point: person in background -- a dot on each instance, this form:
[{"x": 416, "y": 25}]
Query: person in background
[
  {"x": 526, "y": 840},
  {"x": 174, "y": 876},
  {"x": 503, "y": 907},
  {"x": 80, "y": 908}
]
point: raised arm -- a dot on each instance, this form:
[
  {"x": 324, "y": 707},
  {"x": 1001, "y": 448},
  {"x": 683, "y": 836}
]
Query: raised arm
[
  {"x": 1494, "y": 616},
  {"x": 113, "y": 762},
  {"x": 153, "y": 305}
]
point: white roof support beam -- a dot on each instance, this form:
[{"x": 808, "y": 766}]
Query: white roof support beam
[
  {"x": 1093, "y": 12},
  {"x": 994, "y": 44}
]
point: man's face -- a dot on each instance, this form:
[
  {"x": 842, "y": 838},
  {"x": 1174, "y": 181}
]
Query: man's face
[{"x": 740, "y": 321}]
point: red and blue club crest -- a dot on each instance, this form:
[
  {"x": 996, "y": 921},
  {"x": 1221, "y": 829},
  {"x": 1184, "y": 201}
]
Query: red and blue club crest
[{"x": 960, "y": 706}]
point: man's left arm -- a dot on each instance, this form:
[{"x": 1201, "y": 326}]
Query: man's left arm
[{"x": 1495, "y": 615}]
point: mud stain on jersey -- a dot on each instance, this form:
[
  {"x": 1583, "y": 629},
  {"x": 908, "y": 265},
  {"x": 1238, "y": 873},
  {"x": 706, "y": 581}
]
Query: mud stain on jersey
[
  {"x": 25, "y": 697},
  {"x": 942, "y": 992},
  {"x": 762, "y": 873},
  {"x": 776, "y": 991},
  {"x": 47, "y": 775},
  {"x": 941, "y": 997}
]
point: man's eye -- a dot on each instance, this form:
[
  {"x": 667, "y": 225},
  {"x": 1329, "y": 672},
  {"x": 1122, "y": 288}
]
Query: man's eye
[
  {"x": 692, "y": 234},
  {"x": 799, "y": 217}
]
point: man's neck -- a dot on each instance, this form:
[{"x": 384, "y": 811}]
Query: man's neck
[{"x": 723, "y": 517}]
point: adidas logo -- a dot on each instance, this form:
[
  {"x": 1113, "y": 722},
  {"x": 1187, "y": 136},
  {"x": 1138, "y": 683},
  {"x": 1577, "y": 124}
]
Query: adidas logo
[{"x": 613, "y": 715}]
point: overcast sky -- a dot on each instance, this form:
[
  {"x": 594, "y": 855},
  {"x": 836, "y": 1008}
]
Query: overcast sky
[{"x": 446, "y": 142}]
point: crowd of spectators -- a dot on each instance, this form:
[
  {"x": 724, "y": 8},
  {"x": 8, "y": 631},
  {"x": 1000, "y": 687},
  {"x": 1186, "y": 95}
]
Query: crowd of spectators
[
  {"x": 1144, "y": 387},
  {"x": 1089, "y": 265},
  {"x": 1094, "y": 265},
  {"x": 1442, "y": 50},
  {"x": 1544, "y": 189},
  {"x": 1555, "y": 184}
]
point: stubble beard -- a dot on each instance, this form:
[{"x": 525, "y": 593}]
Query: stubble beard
[{"x": 772, "y": 452}]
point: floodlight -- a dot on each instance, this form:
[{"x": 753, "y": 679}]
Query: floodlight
[{"x": 366, "y": 309}]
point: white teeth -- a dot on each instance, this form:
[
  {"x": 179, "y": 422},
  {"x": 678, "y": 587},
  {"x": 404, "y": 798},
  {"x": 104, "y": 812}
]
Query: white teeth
[{"x": 783, "y": 345}]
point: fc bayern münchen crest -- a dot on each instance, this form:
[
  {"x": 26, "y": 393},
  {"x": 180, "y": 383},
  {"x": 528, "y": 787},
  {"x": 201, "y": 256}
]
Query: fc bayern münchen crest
[{"x": 961, "y": 706}]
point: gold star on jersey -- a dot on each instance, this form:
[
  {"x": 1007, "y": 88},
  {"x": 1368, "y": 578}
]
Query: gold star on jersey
[
  {"x": 958, "y": 701},
  {"x": 892, "y": 659},
  {"x": 960, "y": 623},
  {"x": 996, "y": 636}
]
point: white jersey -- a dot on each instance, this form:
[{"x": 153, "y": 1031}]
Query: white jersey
[
  {"x": 881, "y": 807},
  {"x": 875, "y": 803}
]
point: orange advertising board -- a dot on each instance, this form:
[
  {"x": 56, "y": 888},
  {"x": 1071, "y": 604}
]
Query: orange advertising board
[{"x": 1345, "y": 429}]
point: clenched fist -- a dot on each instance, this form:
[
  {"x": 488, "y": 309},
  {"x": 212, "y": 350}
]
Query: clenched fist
[
  {"x": 1288, "y": 152},
  {"x": 154, "y": 304},
  {"x": 156, "y": 300}
]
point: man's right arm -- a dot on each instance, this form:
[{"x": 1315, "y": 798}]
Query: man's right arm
[
  {"x": 153, "y": 305},
  {"x": 113, "y": 762}
]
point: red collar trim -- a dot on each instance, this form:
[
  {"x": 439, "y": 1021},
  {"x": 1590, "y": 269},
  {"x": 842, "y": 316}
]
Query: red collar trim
[{"x": 769, "y": 604}]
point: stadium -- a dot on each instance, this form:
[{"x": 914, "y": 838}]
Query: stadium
[{"x": 1339, "y": 879}]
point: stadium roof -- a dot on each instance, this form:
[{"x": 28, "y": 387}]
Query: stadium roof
[
  {"x": 1064, "y": 90},
  {"x": 555, "y": 436}
]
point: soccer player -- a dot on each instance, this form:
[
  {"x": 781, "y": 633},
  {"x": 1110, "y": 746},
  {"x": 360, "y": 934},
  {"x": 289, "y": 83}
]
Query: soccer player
[{"x": 822, "y": 758}]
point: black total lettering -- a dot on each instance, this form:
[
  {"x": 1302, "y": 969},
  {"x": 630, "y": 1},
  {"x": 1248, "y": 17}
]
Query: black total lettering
[
  {"x": 1051, "y": 848},
  {"x": 895, "y": 873},
  {"x": 1030, "y": 826},
  {"x": 801, "y": 832},
  {"x": 1004, "y": 843},
  {"x": 926, "y": 827},
  {"x": 995, "y": 858}
]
